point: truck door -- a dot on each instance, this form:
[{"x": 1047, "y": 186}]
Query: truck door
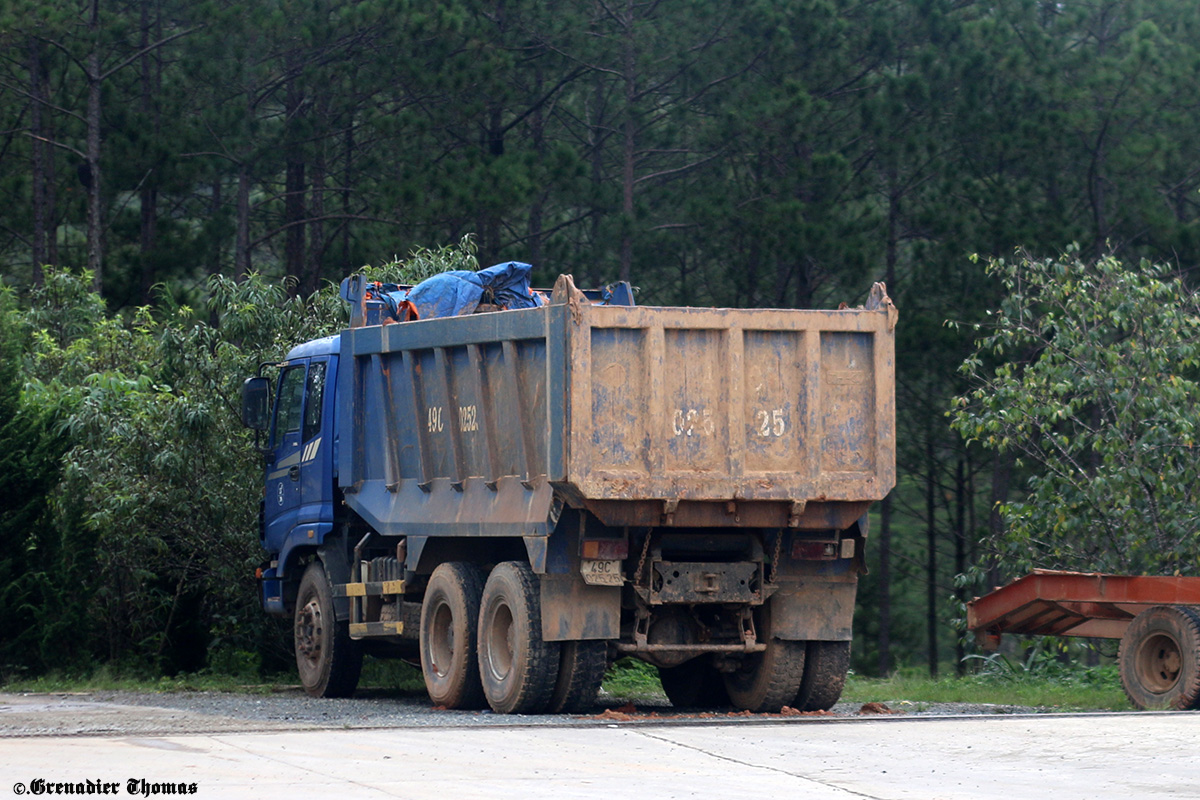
[{"x": 296, "y": 482}]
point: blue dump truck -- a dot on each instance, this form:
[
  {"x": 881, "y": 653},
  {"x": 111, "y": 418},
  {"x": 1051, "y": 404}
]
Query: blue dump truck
[{"x": 517, "y": 498}]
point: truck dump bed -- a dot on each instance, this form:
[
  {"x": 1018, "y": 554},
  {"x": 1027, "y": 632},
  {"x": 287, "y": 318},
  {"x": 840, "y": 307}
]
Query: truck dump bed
[{"x": 645, "y": 416}]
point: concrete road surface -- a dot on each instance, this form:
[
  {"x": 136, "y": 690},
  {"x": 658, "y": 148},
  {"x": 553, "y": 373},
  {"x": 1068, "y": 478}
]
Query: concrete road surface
[{"x": 1047, "y": 756}]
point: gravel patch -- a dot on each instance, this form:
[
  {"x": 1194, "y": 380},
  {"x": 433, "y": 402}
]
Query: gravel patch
[{"x": 145, "y": 713}]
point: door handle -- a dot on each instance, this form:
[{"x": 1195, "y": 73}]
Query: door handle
[{"x": 294, "y": 473}]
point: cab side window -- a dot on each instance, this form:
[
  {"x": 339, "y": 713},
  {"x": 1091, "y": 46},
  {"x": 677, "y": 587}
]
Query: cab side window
[
  {"x": 291, "y": 401},
  {"x": 313, "y": 406}
]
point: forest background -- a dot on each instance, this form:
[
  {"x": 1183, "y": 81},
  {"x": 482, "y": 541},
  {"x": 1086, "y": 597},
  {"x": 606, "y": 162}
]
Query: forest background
[{"x": 180, "y": 181}]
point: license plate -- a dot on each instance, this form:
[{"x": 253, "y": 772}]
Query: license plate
[{"x": 601, "y": 573}]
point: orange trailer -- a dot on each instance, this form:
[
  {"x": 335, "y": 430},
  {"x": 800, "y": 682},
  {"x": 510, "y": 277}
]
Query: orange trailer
[{"x": 1156, "y": 619}]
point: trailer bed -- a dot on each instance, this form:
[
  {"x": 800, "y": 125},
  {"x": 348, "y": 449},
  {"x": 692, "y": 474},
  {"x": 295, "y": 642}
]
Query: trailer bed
[
  {"x": 1054, "y": 603},
  {"x": 1156, "y": 619}
]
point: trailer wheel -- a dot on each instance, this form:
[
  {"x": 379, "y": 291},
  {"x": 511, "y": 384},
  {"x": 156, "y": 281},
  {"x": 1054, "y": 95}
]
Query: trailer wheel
[
  {"x": 517, "y": 668},
  {"x": 328, "y": 660},
  {"x": 825, "y": 668},
  {"x": 580, "y": 672},
  {"x": 694, "y": 684},
  {"x": 1160, "y": 658},
  {"x": 767, "y": 681},
  {"x": 449, "y": 625}
]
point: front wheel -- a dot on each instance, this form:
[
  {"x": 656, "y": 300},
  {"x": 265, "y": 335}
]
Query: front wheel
[
  {"x": 518, "y": 669},
  {"x": 1160, "y": 658},
  {"x": 328, "y": 660}
]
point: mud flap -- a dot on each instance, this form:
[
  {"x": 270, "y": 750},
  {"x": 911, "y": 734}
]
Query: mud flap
[
  {"x": 334, "y": 554},
  {"x": 571, "y": 609},
  {"x": 811, "y": 607}
]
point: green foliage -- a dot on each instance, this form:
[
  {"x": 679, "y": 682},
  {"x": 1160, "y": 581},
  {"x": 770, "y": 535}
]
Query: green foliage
[
  {"x": 128, "y": 530},
  {"x": 1046, "y": 660},
  {"x": 632, "y": 678},
  {"x": 149, "y": 553},
  {"x": 1088, "y": 373},
  {"x": 424, "y": 262},
  {"x": 106, "y": 678},
  {"x": 29, "y": 467},
  {"x": 159, "y": 479}
]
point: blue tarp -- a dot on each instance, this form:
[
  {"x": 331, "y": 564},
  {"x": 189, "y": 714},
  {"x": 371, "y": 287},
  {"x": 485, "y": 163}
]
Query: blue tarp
[{"x": 460, "y": 292}]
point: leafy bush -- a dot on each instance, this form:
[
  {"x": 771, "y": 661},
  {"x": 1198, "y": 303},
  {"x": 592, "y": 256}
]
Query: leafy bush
[
  {"x": 1090, "y": 375},
  {"x": 131, "y": 488}
]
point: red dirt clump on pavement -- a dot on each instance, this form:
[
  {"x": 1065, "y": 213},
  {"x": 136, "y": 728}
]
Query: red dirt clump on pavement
[
  {"x": 788, "y": 711},
  {"x": 629, "y": 713}
]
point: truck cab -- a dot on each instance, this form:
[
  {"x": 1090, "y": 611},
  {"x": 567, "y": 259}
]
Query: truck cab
[{"x": 299, "y": 461}]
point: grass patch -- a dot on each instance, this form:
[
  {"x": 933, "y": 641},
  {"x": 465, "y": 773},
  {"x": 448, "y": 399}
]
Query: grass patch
[
  {"x": 1080, "y": 689},
  {"x": 632, "y": 679},
  {"x": 1068, "y": 688},
  {"x": 388, "y": 675},
  {"x": 107, "y": 679},
  {"x": 628, "y": 678}
]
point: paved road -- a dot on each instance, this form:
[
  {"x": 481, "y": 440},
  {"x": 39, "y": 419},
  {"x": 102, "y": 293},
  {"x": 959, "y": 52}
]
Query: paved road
[{"x": 1011, "y": 758}]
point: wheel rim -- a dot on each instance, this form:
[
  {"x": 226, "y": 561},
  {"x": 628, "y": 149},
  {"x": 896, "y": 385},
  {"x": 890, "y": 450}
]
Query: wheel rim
[
  {"x": 1159, "y": 661},
  {"x": 441, "y": 648},
  {"x": 499, "y": 643},
  {"x": 309, "y": 631}
]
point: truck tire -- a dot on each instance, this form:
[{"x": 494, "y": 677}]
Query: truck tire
[
  {"x": 518, "y": 669},
  {"x": 825, "y": 668},
  {"x": 767, "y": 681},
  {"x": 449, "y": 625},
  {"x": 580, "y": 671},
  {"x": 694, "y": 684},
  {"x": 328, "y": 660},
  {"x": 1159, "y": 658}
]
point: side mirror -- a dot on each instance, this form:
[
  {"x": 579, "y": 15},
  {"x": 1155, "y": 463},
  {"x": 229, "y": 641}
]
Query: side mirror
[{"x": 256, "y": 403}]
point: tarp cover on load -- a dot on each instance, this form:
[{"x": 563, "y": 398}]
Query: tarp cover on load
[{"x": 460, "y": 292}]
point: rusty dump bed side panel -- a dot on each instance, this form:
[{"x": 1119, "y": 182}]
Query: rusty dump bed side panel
[
  {"x": 1054, "y": 603},
  {"x": 472, "y": 425}
]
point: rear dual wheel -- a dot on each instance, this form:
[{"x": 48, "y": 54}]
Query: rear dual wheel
[
  {"x": 767, "y": 681},
  {"x": 449, "y": 626},
  {"x": 580, "y": 670},
  {"x": 825, "y": 668},
  {"x": 481, "y": 644},
  {"x": 518, "y": 669}
]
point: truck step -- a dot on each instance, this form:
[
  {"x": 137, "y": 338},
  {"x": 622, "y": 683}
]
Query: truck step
[
  {"x": 368, "y": 589},
  {"x": 360, "y": 630}
]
